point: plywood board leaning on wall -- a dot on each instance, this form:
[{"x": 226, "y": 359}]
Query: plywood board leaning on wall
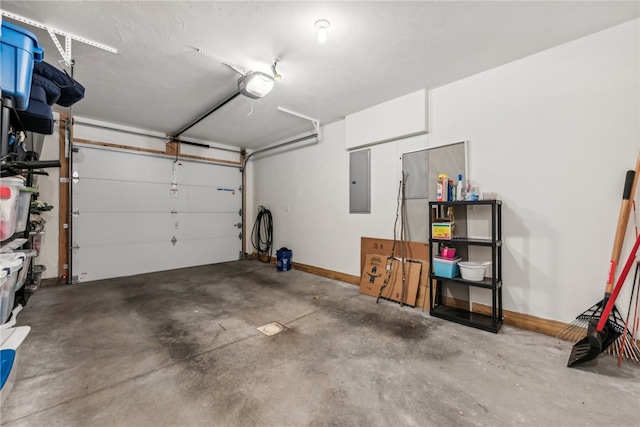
[
  {"x": 418, "y": 251},
  {"x": 376, "y": 273}
]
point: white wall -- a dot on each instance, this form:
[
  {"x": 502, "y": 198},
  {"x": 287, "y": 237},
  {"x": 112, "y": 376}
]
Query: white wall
[
  {"x": 552, "y": 134},
  {"x": 307, "y": 191}
]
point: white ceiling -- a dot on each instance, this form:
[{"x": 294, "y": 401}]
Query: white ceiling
[{"x": 376, "y": 51}]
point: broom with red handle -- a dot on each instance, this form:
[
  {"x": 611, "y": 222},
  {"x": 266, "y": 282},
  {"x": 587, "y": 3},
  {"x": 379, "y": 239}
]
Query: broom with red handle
[
  {"x": 604, "y": 313},
  {"x": 605, "y": 331},
  {"x": 576, "y": 329}
]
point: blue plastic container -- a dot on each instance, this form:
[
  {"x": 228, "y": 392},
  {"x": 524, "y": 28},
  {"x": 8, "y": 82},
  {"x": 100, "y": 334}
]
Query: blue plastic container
[
  {"x": 7, "y": 356},
  {"x": 18, "y": 51},
  {"x": 283, "y": 259},
  {"x": 446, "y": 267}
]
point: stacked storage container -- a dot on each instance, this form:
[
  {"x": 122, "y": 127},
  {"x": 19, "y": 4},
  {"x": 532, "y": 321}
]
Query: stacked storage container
[
  {"x": 18, "y": 51},
  {"x": 9, "y": 198}
]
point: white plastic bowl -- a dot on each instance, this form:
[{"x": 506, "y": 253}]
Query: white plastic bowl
[{"x": 473, "y": 271}]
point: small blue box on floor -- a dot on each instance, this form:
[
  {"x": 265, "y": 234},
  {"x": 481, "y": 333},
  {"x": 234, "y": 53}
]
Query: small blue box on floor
[
  {"x": 446, "y": 267},
  {"x": 18, "y": 50}
]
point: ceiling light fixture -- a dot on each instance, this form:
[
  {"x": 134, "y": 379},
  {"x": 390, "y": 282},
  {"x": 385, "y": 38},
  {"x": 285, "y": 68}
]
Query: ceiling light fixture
[
  {"x": 255, "y": 84},
  {"x": 322, "y": 25}
]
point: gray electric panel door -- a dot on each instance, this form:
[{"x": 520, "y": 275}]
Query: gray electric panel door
[{"x": 360, "y": 181}]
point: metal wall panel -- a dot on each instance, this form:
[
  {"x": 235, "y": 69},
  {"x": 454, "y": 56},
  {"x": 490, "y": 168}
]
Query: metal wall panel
[
  {"x": 414, "y": 168},
  {"x": 360, "y": 181},
  {"x": 421, "y": 169}
]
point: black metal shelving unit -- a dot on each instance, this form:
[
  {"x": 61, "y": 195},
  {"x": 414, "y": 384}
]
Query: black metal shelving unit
[
  {"x": 28, "y": 236},
  {"x": 493, "y": 319}
]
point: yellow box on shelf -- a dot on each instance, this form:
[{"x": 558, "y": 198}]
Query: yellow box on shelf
[{"x": 442, "y": 230}]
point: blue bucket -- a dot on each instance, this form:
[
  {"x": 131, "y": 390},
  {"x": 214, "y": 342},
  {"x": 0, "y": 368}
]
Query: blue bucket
[{"x": 283, "y": 259}]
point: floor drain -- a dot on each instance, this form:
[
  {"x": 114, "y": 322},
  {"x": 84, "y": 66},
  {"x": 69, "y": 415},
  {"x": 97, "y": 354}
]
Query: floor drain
[{"x": 271, "y": 329}]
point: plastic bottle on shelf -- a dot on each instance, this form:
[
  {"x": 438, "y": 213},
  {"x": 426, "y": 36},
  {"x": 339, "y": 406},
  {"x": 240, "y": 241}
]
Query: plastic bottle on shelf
[
  {"x": 459, "y": 190},
  {"x": 442, "y": 188}
]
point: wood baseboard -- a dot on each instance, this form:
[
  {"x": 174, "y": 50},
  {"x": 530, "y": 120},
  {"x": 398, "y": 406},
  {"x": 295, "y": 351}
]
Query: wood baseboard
[
  {"x": 322, "y": 272},
  {"x": 525, "y": 321},
  {"x": 343, "y": 277}
]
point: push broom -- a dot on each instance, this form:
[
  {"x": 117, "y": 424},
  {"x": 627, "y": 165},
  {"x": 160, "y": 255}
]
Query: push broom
[
  {"x": 577, "y": 328},
  {"x": 603, "y": 332},
  {"x": 628, "y": 347},
  {"x": 604, "y": 323}
]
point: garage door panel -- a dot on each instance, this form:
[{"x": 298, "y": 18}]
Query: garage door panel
[
  {"x": 104, "y": 262},
  {"x": 126, "y": 166},
  {"x": 122, "y": 228},
  {"x": 209, "y": 199},
  {"x": 123, "y": 196},
  {"x": 128, "y": 228},
  {"x": 188, "y": 173},
  {"x": 194, "y": 225},
  {"x": 126, "y": 214},
  {"x": 127, "y": 196}
]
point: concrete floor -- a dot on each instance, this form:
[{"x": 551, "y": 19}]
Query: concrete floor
[{"x": 181, "y": 348}]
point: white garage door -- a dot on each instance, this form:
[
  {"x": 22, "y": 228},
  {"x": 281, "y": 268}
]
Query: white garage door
[{"x": 126, "y": 222}]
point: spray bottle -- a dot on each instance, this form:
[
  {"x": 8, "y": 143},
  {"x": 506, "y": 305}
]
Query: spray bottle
[{"x": 459, "y": 190}]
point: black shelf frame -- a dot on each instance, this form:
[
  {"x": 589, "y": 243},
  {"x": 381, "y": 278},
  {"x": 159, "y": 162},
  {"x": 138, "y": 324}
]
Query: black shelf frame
[
  {"x": 437, "y": 308},
  {"x": 467, "y": 318},
  {"x": 486, "y": 283}
]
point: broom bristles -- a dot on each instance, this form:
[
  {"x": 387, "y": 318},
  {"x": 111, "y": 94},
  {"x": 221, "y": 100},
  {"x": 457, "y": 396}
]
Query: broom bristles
[
  {"x": 577, "y": 330},
  {"x": 630, "y": 350},
  {"x": 574, "y": 331}
]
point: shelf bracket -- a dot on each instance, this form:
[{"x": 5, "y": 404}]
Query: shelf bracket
[
  {"x": 314, "y": 122},
  {"x": 66, "y": 51}
]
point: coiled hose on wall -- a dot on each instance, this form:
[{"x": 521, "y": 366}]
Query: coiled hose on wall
[{"x": 262, "y": 235}]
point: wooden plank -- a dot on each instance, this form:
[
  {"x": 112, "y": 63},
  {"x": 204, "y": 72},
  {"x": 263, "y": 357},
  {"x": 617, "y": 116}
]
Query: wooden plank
[
  {"x": 322, "y": 272},
  {"x": 336, "y": 275},
  {"x": 172, "y": 149},
  {"x": 524, "y": 321},
  {"x": 159, "y": 152}
]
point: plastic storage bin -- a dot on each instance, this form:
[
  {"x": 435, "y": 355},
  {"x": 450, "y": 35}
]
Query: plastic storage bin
[
  {"x": 446, "y": 267},
  {"x": 10, "y": 340},
  {"x": 18, "y": 51},
  {"x": 9, "y": 194},
  {"x": 24, "y": 206},
  {"x": 12, "y": 265},
  {"x": 4, "y": 278},
  {"x": 27, "y": 257}
]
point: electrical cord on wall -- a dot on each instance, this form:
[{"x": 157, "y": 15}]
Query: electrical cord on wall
[{"x": 262, "y": 235}]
